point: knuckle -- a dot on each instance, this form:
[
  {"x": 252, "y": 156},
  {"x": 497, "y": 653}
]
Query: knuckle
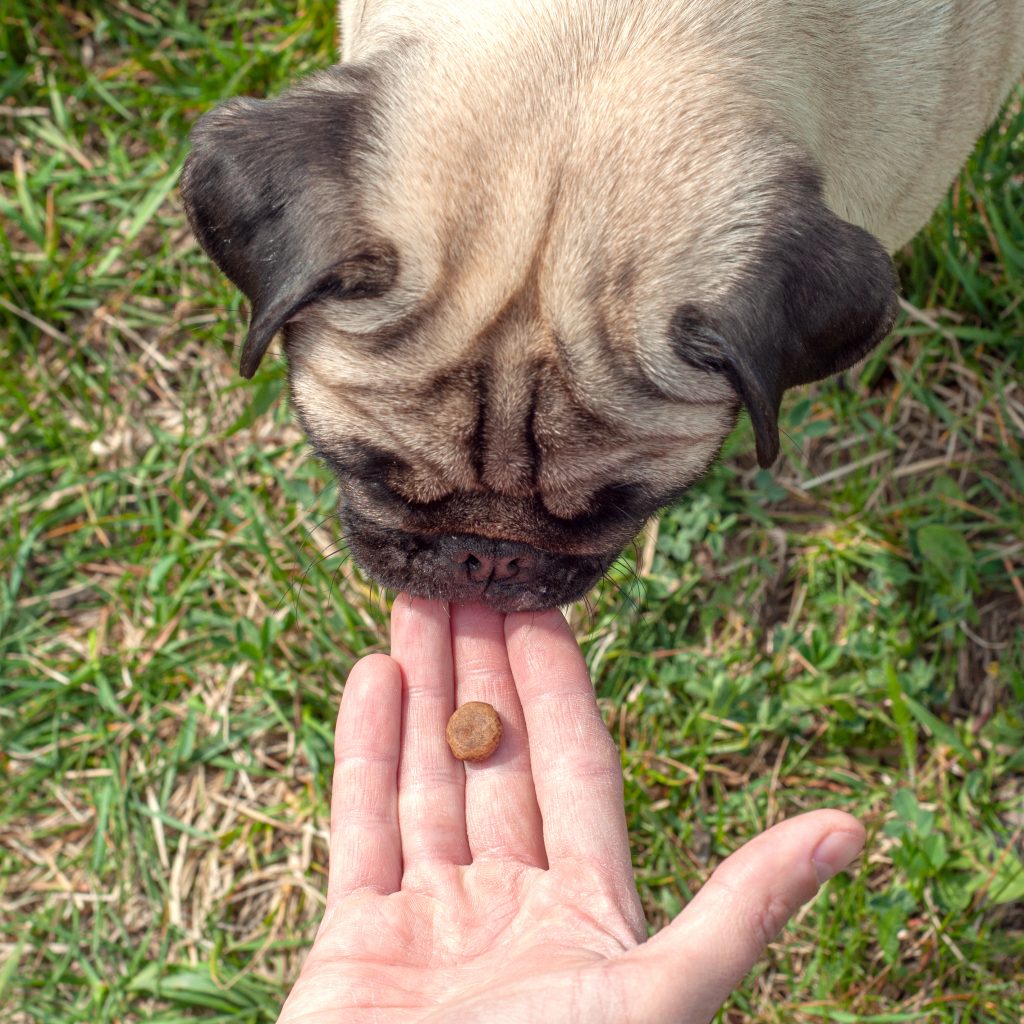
[
  {"x": 767, "y": 916},
  {"x": 760, "y": 915}
]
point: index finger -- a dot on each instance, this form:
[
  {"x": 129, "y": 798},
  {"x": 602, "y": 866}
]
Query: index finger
[{"x": 575, "y": 762}]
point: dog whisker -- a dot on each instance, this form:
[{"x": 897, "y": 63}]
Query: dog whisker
[{"x": 330, "y": 550}]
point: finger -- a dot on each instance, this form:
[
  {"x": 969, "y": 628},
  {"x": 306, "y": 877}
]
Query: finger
[
  {"x": 576, "y": 767},
  {"x": 502, "y": 817},
  {"x": 366, "y": 850},
  {"x": 692, "y": 966},
  {"x": 431, "y": 783}
]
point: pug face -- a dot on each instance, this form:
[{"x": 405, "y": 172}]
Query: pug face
[{"x": 521, "y": 319}]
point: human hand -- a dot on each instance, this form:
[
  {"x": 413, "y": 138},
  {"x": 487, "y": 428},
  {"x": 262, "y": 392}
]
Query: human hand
[{"x": 503, "y": 891}]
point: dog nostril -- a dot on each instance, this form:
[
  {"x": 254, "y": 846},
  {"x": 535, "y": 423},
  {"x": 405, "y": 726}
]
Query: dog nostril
[
  {"x": 476, "y": 566},
  {"x": 513, "y": 568}
]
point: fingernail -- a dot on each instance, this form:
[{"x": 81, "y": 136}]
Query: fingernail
[{"x": 835, "y": 852}]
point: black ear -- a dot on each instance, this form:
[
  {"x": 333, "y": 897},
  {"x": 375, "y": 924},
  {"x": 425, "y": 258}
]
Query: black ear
[
  {"x": 819, "y": 296},
  {"x": 269, "y": 191}
]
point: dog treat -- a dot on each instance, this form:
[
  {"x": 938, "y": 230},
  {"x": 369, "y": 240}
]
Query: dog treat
[{"x": 474, "y": 731}]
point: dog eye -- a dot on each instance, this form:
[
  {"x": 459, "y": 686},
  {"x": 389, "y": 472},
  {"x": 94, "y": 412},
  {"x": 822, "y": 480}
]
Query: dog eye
[
  {"x": 611, "y": 502},
  {"x": 366, "y": 275},
  {"x": 378, "y": 487},
  {"x": 623, "y": 498},
  {"x": 360, "y": 461}
]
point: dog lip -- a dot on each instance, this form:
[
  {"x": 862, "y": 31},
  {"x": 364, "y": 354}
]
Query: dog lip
[
  {"x": 440, "y": 567},
  {"x": 500, "y": 600}
]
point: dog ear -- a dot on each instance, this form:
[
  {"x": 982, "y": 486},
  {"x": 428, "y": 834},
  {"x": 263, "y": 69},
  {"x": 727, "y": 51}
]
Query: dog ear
[
  {"x": 820, "y": 295},
  {"x": 268, "y": 191}
]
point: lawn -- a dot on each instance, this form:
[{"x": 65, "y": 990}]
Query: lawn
[{"x": 177, "y": 617}]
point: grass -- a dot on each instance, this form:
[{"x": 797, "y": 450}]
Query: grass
[{"x": 176, "y": 621}]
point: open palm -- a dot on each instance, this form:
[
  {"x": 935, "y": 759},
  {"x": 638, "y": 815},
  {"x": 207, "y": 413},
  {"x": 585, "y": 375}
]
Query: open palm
[{"x": 504, "y": 892}]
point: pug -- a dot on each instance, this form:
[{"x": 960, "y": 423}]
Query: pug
[{"x": 530, "y": 258}]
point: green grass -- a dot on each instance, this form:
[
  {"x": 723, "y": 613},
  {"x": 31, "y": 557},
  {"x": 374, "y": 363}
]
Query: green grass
[{"x": 176, "y": 622}]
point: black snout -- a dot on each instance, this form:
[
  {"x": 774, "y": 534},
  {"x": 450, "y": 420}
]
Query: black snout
[
  {"x": 485, "y": 561},
  {"x": 508, "y": 575}
]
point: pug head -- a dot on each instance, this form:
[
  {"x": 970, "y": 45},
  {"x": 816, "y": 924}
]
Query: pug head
[{"x": 520, "y": 320}]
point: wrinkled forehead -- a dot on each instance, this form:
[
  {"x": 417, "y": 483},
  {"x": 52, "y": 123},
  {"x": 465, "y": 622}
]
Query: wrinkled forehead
[
  {"x": 579, "y": 369},
  {"x": 540, "y": 259},
  {"x": 506, "y": 418},
  {"x": 563, "y": 213}
]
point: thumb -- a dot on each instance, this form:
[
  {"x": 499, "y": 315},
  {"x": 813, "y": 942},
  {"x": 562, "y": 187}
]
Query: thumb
[{"x": 687, "y": 971}]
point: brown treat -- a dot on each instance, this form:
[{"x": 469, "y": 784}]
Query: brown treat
[{"x": 474, "y": 731}]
